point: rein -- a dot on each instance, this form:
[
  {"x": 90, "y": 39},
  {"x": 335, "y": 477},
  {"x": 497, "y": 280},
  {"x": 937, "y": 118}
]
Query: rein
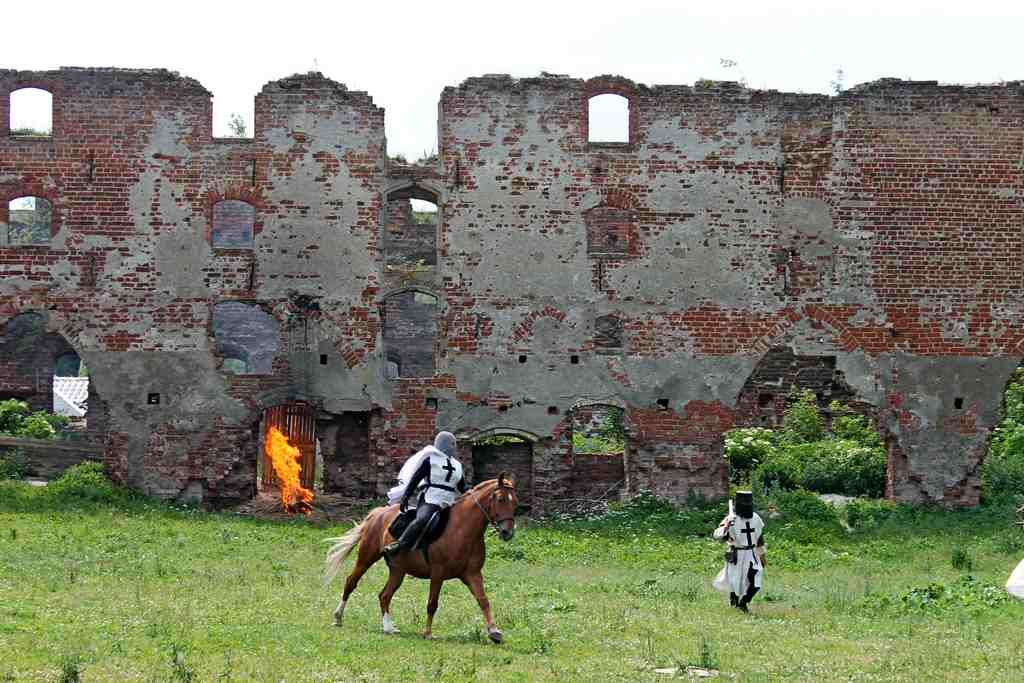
[{"x": 493, "y": 522}]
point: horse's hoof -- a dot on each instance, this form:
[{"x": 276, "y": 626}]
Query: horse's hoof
[
  {"x": 336, "y": 623},
  {"x": 391, "y": 631},
  {"x": 427, "y": 635},
  {"x": 496, "y": 636}
]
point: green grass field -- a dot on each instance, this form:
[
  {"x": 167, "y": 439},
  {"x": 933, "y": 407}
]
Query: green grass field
[{"x": 132, "y": 590}]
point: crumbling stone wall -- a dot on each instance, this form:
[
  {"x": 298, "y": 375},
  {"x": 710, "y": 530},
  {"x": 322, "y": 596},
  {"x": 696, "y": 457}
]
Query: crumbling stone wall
[{"x": 877, "y": 229}]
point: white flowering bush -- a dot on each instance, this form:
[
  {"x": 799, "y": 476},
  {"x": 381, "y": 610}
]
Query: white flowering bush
[{"x": 746, "y": 448}]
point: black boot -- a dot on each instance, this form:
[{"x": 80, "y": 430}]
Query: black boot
[
  {"x": 406, "y": 541},
  {"x": 733, "y": 600}
]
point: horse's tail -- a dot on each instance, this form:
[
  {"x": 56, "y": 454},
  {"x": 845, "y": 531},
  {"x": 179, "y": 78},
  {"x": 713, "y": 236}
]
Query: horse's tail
[{"x": 340, "y": 550}]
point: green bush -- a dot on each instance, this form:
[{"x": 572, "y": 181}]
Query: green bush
[
  {"x": 847, "y": 467},
  {"x": 806, "y": 507},
  {"x": 850, "y": 426},
  {"x": 13, "y": 464},
  {"x": 1002, "y": 476},
  {"x": 868, "y": 514},
  {"x": 803, "y": 422},
  {"x": 85, "y": 482},
  {"x": 784, "y": 470},
  {"x": 745, "y": 449},
  {"x": 12, "y": 413},
  {"x": 849, "y": 459},
  {"x": 15, "y": 420}
]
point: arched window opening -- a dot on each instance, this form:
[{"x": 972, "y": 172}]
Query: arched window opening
[
  {"x": 410, "y": 332},
  {"x": 42, "y": 369},
  {"x": 598, "y": 430},
  {"x": 67, "y": 365},
  {"x": 504, "y": 452},
  {"x": 234, "y": 116},
  {"x": 29, "y": 221},
  {"x": 233, "y": 224},
  {"x": 31, "y": 112},
  {"x": 608, "y": 119},
  {"x": 410, "y": 232},
  {"x": 247, "y": 338}
]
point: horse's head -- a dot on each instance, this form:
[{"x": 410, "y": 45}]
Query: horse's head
[{"x": 503, "y": 505}]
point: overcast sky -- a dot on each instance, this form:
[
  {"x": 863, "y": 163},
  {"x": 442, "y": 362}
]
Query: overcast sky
[{"x": 404, "y": 55}]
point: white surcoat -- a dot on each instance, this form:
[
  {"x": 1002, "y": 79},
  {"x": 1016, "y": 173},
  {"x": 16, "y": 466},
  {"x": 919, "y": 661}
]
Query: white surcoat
[
  {"x": 445, "y": 475},
  {"x": 744, "y": 535},
  {"x": 435, "y": 487}
]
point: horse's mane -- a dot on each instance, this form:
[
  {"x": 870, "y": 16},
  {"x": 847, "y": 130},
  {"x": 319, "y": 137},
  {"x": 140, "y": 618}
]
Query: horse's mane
[{"x": 492, "y": 484}]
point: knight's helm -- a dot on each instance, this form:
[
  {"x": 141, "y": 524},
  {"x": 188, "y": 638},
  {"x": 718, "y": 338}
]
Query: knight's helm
[
  {"x": 445, "y": 442},
  {"x": 745, "y": 504}
]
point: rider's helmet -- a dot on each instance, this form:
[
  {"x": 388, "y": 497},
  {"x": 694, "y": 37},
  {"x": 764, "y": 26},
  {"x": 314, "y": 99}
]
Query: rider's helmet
[
  {"x": 445, "y": 442},
  {"x": 745, "y": 504}
]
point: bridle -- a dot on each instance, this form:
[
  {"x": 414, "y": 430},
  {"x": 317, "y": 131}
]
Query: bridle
[{"x": 494, "y": 523}]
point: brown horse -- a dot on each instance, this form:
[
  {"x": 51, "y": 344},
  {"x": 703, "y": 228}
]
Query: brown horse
[{"x": 458, "y": 554}]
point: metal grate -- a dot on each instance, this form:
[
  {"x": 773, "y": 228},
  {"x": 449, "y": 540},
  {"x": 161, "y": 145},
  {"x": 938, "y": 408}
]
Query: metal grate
[{"x": 297, "y": 422}]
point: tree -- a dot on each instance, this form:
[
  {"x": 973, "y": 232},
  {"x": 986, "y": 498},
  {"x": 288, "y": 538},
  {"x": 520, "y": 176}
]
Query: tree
[
  {"x": 837, "y": 82},
  {"x": 236, "y": 124}
]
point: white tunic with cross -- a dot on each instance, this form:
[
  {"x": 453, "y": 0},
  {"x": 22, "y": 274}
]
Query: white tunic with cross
[
  {"x": 744, "y": 534},
  {"x": 444, "y": 477}
]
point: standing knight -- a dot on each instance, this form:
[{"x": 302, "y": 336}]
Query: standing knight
[{"x": 743, "y": 531}]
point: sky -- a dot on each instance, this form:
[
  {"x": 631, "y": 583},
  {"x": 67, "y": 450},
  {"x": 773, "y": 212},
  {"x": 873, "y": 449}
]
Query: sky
[{"x": 403, "y": 55}]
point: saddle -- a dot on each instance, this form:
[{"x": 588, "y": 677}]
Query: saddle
[{"x": 435, "y": 527}]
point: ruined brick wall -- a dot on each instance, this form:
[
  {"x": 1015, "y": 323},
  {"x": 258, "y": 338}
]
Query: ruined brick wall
[
  {"x": 744, "y": 221},
  {"x": 878, "y": 230}
]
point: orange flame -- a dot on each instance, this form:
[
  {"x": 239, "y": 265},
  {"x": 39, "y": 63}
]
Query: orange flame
[{"x": 285, "y": 458}]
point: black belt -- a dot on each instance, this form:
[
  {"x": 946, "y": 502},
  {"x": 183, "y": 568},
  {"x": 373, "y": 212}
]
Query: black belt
[
  {"x": 442, "y": 487},
  {"x": 745, "y": 547}
]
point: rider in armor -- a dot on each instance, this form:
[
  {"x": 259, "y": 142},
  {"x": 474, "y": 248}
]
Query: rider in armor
[{"x": 436, "y": 482}]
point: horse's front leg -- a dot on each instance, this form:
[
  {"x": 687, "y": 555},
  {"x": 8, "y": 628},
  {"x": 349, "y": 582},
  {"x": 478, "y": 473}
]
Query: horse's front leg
[
  {"x": 435, "y": 592},
  {"x": 475, "y": 583}
]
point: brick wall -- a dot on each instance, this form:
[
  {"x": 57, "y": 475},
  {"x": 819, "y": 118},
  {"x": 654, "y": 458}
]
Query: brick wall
[{"x": 873, "y": 235}]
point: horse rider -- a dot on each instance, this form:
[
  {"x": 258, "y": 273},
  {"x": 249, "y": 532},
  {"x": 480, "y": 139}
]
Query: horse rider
[{"x": 437, "y": 481}]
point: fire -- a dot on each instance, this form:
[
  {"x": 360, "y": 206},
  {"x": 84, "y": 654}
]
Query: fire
[{"x": 285, "y": 458}]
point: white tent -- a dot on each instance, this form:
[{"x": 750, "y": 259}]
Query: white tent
[
  {"x": 1015, "y": 584},
  {"x": 70, "y": 395}
]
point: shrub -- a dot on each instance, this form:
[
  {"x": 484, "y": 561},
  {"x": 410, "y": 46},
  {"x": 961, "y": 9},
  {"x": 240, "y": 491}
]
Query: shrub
[
  {"x": 961, "y": 560},
  {"x": 12, "y": 413},
  {"x": 867, "y": 514},
  {"x": 36, "y": 426},
  {"x": 784, "y": 470},
  {"x": 803, "y": 422},
  {"x": 13, "y": 464},
  {"x": 745, "y": 449},
  {"x": 1003, "y": 473},
  {"x": 850, "y": 426},
  {"x": 849, "y": 460},
  {"x": 806, "y": 507},
  {"x": 847, "y": 467},
  {"x": 15, "y": 420},
  {"x": 84, "y": 482}
]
